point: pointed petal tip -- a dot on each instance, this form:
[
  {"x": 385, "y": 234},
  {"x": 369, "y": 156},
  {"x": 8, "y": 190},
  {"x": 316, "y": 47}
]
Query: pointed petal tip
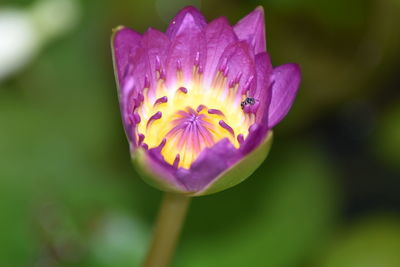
[
  {"x": 118, "y": 28},
  {"x": 252, "y": 29},
  {"x": 187, "y": 15},
  {"x": 152, "y": 30},
  {"x": 121, "y": 29},
  {"x": 114, "y": 32},
  {"x": 296, "y": 67},
  {"x": 259, "y": 9},
  {"x": 124, "y": 34},
  {"x": 190, "y": 9},
  {"x": 294, "y": 70},
  {"x": 256, "y": 14},
  {"x": 124, "y": 42},
  {"x": 221, "y": 19}
]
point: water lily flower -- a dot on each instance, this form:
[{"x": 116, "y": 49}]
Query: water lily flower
[{"x": 199, "y": 102}]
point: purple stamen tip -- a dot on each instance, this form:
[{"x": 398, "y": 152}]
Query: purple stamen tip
[
  {"x": 140, "y": 98},
  {"x": 200, "y": 108},
  {"x": 163, "y": 99},
  {"x": 131, "y": 119},
  {"x": 145, "y": 146},
  {"x": 140, "y": 139},
  {"x": 137, "y": 102},
  {"x": 183, "y": 90},
  {"x": 240, "y": 138},
  {"x": 247, "y": 85},
  {"x": 216, "y": 112},
  {"x": 156, "y": 116},
  {"x": 224, "y": 125},
  {"x": 226, "y": 71},
  {"x": 223, "y": 65},
  {"x": 162, "y": 74},
  {"x": 176, "y": 161},
  {"x": 191, "y": 111},
  {"x": 162, "y": 144},
  {"x": 252, "y": 128},
  {"x": 136, "y": 117}
]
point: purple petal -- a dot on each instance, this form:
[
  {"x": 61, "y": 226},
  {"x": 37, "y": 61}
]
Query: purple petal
[
  {"x": 240, "y": 64},
  {"x": 131, "y": 95},
  {"x": 252, "y": 29},
  {"x": 156, "y": 164},
  {"x": 262, "y": 93},
  {"x": 141, "y": 72},
  {"x": 156, "y": 45},
  {"x": 285, "y": 82},
  {"x": 210, "y": 163},
  {"x": 188, "y": 48},
  {"x": 257, "y": 133},
  {"x": 188, "y": 15},
  {"x": 128, "y": 118},
  {"x": 131, "y": 92},
  {"x": 124, "y": 43},
  {"x": 219, "y": 34},
  {"x": 215, "y": 160}
]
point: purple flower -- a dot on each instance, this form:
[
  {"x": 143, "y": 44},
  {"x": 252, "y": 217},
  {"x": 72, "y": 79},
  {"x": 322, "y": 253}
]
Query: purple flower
[{"x": 198, "y": 102}]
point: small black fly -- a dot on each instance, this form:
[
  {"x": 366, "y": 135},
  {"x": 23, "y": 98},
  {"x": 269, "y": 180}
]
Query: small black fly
[{"x": 248, "y": 101}]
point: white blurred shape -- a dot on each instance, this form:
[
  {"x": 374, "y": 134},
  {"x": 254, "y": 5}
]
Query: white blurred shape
[
  {"x": 24, "y": 32},
  {"x": 18, "y": 40},
  {"x": 54, "y": 17}
]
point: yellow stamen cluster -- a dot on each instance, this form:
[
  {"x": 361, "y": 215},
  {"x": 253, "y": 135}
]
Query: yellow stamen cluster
[{"x": 183, "y": 97}]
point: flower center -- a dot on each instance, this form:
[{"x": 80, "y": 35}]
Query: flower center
[
  {"x": 183, "y": 122},
  {"x": 189, "y": 132}
]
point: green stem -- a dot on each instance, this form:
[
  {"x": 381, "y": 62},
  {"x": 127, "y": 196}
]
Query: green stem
[{"x": 166, "y": 232}]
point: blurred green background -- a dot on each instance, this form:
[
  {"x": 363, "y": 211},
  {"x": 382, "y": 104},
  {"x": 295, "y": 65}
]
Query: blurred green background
[{"x": 327, "y": 196}]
